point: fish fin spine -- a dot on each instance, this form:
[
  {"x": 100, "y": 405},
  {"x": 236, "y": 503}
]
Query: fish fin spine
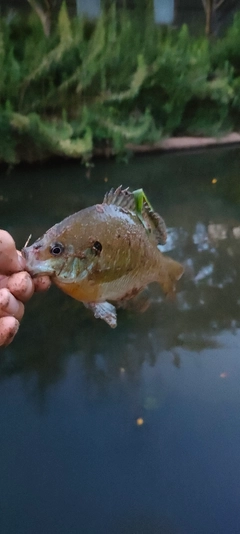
[
  {"x": 120, "y": 197},
  {"x": 160, "y": 230},
  {"x": 129, "y": 200}
]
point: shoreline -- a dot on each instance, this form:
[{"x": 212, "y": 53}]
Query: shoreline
[
  {"x": 186, "y": 143},
  {"x": 174, "y": 144},
  {"x": 171, "y": 144}
]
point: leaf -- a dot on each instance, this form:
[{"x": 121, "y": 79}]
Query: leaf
[
  {"x": 135, "y": 86},
  {"x": 64, "y": 25}
]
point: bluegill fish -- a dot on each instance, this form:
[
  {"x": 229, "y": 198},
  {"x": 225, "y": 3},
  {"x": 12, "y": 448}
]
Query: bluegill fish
[{"x": 107, "y": 252}]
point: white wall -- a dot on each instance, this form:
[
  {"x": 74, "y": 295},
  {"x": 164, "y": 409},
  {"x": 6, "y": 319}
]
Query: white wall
[
  {"x": 89, "y": 7},
  {"x": 164, "y": 11}
]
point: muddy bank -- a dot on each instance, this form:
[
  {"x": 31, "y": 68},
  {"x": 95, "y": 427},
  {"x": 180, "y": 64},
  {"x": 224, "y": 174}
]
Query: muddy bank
[
  {"x": 186, "y": 143},
  {"x": 32, "y": 154}
]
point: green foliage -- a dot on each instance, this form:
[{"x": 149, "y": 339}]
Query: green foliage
[
  {"x": 117, "y": 81},
  {"x": 227, "y": 48},
  {"x": 64, "y": 25},
  {"x": 7, "y": 141}
]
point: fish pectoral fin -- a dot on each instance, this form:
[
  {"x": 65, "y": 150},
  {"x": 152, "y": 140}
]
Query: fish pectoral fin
[{"x": 105, "y": 311}]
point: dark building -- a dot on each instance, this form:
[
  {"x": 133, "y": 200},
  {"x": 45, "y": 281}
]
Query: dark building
[{"x": 165, "y": 11}]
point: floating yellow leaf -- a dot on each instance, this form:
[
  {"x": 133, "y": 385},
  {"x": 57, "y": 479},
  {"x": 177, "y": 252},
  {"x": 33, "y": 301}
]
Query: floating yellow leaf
[{"x": 140, "y": 421}]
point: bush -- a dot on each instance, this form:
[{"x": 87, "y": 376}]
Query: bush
[{"x": 106, "y": 84}]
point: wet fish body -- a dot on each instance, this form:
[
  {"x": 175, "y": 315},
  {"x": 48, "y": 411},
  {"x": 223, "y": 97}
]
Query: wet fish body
[{"x": 107, "y": 252}]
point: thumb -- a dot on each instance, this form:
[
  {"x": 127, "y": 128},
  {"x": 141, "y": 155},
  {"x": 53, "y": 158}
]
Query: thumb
[{"x": 11, "y": 260}]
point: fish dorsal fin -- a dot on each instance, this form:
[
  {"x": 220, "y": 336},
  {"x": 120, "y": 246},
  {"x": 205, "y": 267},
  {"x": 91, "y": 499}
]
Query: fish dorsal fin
[
  {"x": 159, "y": 227},
  {"x": 138, "y": 203},
  {"x": 152, "y": 221},
  {"x": 120, "y": 197}
]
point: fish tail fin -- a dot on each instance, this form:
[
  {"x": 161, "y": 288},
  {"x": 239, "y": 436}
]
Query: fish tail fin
[{"x": 171, "y": 271}]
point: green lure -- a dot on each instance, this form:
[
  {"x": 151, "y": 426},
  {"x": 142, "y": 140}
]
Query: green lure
[{"x": 140, "y": 198}]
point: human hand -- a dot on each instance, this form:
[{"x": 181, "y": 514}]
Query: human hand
[{"x": 16, "y": 287}]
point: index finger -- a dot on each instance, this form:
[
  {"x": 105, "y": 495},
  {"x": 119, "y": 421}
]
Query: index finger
[
  {"x": 8, "y": 328},
  {"x": 10, "y": 259}
]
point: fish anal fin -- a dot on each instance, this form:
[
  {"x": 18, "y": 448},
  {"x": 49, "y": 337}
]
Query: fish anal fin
[
  {"x": 105, "y": 311},
  {"x": 171, "y": 271},
  {"x": 139, "y": 304}
]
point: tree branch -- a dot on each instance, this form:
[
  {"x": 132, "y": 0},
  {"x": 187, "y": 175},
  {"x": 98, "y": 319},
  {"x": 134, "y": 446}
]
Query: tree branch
[
  {"x": 204, "y": 2},
  {"x": 43, "y": 15},
  {"x": 218, "y": 4}
]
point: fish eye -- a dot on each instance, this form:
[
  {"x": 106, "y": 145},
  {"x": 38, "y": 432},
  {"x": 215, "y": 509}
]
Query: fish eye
[
  {"x": 57, "y": 249},
  {"x": 97, "y": 247}
]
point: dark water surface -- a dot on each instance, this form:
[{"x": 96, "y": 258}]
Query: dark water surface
[{"x": 75, "y": 458}]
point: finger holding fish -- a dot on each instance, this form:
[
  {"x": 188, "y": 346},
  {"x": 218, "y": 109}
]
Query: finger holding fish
[
  {"x": 10, "y": 259},
  {"x": 16, "y": 287},
  {"x": 9, "y": 305},
  {"x": 41, "y": 283},
  {"x": 20, "y": 282},
  {"x": 21, "y": 285},
  {"x": 3, "y": 280},
  {"x": 14, "y": 291},
  {"x": 8, "y": 329}
]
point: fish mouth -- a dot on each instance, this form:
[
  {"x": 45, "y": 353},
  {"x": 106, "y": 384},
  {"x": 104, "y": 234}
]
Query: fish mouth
[
  {"x": 34, "y": 266},
  {"x": 24, "y": 253}
]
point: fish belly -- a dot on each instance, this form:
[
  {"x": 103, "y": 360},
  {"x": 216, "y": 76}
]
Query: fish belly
[
  {"x": 85, "y": 292},
  {"x": 123, "y": 288}
]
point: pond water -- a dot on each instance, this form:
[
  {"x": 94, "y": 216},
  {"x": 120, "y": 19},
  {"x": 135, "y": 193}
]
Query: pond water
[{"x": 134, "y": 430}]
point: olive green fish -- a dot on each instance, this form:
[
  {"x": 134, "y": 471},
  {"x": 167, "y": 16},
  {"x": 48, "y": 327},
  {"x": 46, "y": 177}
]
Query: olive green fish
[{"x": 107, "y": 252}]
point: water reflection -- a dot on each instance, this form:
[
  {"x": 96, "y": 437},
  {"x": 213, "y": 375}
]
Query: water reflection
[
  {"x": 204, "y": 235},
  {"x": 134, "y": 429},
  {"x": 207, "y": 302},
  {"x": 143, "y": 523}
]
